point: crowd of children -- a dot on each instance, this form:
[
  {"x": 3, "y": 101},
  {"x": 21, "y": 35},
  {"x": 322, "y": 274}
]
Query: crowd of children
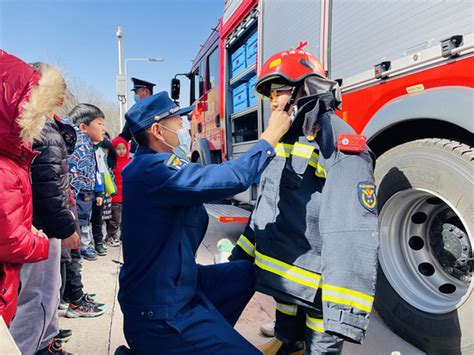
[{"x": 54, "y": 218}]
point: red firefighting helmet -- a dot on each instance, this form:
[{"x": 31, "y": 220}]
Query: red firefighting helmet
[{"x": 288, "y": 67}]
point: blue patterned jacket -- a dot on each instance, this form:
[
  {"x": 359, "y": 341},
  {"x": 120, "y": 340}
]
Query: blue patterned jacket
[{"x": 82, "y": 164}]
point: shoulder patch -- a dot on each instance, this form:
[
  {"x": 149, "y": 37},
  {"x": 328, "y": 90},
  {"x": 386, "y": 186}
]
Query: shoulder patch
[
  {"x": 367, "y": 195},
  {"x": 175, "y": 163}
]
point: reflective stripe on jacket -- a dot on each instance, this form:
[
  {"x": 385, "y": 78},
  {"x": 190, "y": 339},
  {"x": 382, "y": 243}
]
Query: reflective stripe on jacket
[{"x": 310, "y": 234}]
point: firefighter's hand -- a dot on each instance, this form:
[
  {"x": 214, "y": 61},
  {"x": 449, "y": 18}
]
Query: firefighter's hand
[
  {"x": 278, "y": 125},
  {"x": 99, "y": 201},
  {"x": 72, "y": 242}
]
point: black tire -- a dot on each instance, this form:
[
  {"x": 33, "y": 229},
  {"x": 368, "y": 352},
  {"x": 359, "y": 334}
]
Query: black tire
[{"x": 446, "y": 168}]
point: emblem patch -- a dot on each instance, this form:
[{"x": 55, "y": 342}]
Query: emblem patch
[
  {"x": 175, "y": 163},
  {"x": 367, "y": 196}
]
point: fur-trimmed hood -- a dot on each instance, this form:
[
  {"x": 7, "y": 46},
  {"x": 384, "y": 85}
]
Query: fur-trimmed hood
[{"x": 27, "y": 99}]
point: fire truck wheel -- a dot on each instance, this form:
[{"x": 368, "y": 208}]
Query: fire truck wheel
[{"x": 426, "y": 207}]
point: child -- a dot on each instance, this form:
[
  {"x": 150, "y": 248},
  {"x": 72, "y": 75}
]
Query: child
[
  {"x": 122, "y": 159},
  {"x": 104, "y": 192},
  {"x": 88, "y": 121}
]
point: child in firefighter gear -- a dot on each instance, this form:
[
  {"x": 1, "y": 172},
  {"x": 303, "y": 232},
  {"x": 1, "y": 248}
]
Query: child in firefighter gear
[
  {"x": 314, "y": 232},
  {"x": 170, "y": 304}
]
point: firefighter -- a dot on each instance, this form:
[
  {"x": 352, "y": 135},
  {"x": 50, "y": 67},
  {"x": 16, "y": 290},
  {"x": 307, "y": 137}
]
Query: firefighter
[
  {"x": 314, "y": 232},
  {"x": 141, "y": 89},
  {"x": 170, "y": 304}
]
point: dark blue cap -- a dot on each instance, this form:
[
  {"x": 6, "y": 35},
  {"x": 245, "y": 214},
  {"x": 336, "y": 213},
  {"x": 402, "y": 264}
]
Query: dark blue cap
[
  {"x": 153, "y": 109},
  {"x": 139, "y": 83}
]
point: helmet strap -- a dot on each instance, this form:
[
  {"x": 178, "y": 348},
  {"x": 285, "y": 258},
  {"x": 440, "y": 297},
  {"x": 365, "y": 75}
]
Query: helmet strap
[{"x": 291, "y": 101}]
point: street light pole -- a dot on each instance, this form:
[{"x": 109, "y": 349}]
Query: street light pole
[
  {"x": 156, "y": 60},
  {"x": 121, "y": 78}
]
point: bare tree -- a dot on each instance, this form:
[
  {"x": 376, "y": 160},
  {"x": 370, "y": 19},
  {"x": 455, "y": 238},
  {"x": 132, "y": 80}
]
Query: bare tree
[{"x": 79, "y": 91}]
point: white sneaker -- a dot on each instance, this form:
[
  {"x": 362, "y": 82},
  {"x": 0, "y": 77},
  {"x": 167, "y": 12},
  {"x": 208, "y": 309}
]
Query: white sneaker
[{"x": 268, "y": 329}]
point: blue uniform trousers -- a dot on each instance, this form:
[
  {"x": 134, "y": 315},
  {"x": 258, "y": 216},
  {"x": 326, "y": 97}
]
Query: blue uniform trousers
[{"x": 205, "y": 325}]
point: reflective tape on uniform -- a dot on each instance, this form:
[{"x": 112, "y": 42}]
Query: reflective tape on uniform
[
  {"x": 347, "y": 297},
  {"x": 314, "y": 162},
  {"x": 246, "y": 245},
  {"x": 287, "y": 271},
  {"x": 283, "y": 150},
  {"x": 289, "y": 309},
  {"x": 315, "y": 324},
  {"x": 302, "y": 150}
]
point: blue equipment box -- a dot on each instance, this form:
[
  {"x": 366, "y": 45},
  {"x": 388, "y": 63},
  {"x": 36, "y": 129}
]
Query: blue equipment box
[
  {"x": 240, "y": 98},
  {"x": 238, "y": 61},
  {"x": 251, "y": 49}
]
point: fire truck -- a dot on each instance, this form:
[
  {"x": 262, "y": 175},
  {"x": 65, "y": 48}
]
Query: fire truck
[{"x": 406, "y": 69}]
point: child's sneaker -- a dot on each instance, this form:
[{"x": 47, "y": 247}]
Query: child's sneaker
[
  {"x": 89, "y": 254},
  {"x": 84, "y": 309},
  {"x": 114, "y": 243},
  {"x": 64, "y": 335},
  {"x": 55, "y": 347},
  {"x": 101, "y": 250},
  {"x": 91, "y": 298},
  {"x": 63, "y": 305}
]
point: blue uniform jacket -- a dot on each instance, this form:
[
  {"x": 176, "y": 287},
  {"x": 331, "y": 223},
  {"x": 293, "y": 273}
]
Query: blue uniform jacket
[{"x": 164, "y": 221}]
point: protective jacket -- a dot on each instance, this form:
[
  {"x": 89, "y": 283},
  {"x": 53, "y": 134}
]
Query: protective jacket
[
  {"x": 314, "y": 231},
  {"x": 26, "y": 96}
]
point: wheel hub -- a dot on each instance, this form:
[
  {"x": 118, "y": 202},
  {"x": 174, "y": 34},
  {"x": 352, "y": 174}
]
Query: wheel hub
[{"x": 425, "y": 251}]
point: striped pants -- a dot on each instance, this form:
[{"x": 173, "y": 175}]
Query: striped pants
[{"x": 296, "y": 323}]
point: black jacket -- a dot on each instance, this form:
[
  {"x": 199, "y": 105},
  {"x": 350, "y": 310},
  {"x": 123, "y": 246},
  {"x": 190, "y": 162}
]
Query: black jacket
[{"x": 51, "y": 191}]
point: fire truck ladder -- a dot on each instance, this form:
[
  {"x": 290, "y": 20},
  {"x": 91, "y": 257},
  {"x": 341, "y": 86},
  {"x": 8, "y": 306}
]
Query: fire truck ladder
[{"x": 227, "y": 213}]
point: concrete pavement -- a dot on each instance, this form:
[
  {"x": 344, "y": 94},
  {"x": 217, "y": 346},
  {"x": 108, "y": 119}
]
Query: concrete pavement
[{"x": 102, "y": 335}]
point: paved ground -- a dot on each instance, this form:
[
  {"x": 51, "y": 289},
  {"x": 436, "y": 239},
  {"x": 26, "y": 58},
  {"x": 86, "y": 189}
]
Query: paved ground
[{"x": 103, "y": 335}]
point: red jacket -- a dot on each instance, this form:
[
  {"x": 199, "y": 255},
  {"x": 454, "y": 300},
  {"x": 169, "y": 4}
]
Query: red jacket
[
  {"x": 25, "y": 98},
  {"x": 121, "y": 162}
]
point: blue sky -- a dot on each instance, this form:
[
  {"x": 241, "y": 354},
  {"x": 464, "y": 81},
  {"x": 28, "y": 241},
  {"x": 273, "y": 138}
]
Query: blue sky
[{"x": 79, "y": 35}]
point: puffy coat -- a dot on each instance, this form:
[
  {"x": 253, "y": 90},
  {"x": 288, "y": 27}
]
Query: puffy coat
[
  {"x": 49, "y": 175},
  {"x": 26, "y": 97},
  {"x": 120, "y": 164}
]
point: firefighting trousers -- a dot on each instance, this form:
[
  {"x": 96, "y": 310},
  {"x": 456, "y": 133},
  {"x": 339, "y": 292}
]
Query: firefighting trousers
[
  {"x": 296, "y": 323},
  {"x": 204, "y": 325}
]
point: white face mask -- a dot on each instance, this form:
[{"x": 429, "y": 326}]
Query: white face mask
[{"x": 183, "y": 149}]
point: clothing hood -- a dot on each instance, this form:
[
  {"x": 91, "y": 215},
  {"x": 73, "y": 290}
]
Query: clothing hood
[
  {"x": 27, "y": 98},
  {"x": 117, "y": 140}
]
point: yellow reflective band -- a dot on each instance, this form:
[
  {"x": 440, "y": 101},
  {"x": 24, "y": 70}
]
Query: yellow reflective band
[
  {"x": 342, "y": 290},
  {"x": 347, "y": 303},
  {"x": 246, "y": 245},
  {"x": 287, "y": 271},
  {"x": 283, "y": 149},
  {"x": 347, "y": 297},
  {"x": 302, "y": 150},
  {"x": 315, "y": 324},
  {"x": 314, "y": 162},
  {"x": 288, "y": 309}
]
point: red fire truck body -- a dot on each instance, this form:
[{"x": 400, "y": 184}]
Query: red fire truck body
[{"x": 407, "y": 75}]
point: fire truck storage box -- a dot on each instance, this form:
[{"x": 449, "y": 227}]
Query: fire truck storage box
[
  {"x": 251, "y": 90},
  {"x": 251, "y": 49},
  {"x": 238, "y": 61},
  {"x": 240, "y": 98}
]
